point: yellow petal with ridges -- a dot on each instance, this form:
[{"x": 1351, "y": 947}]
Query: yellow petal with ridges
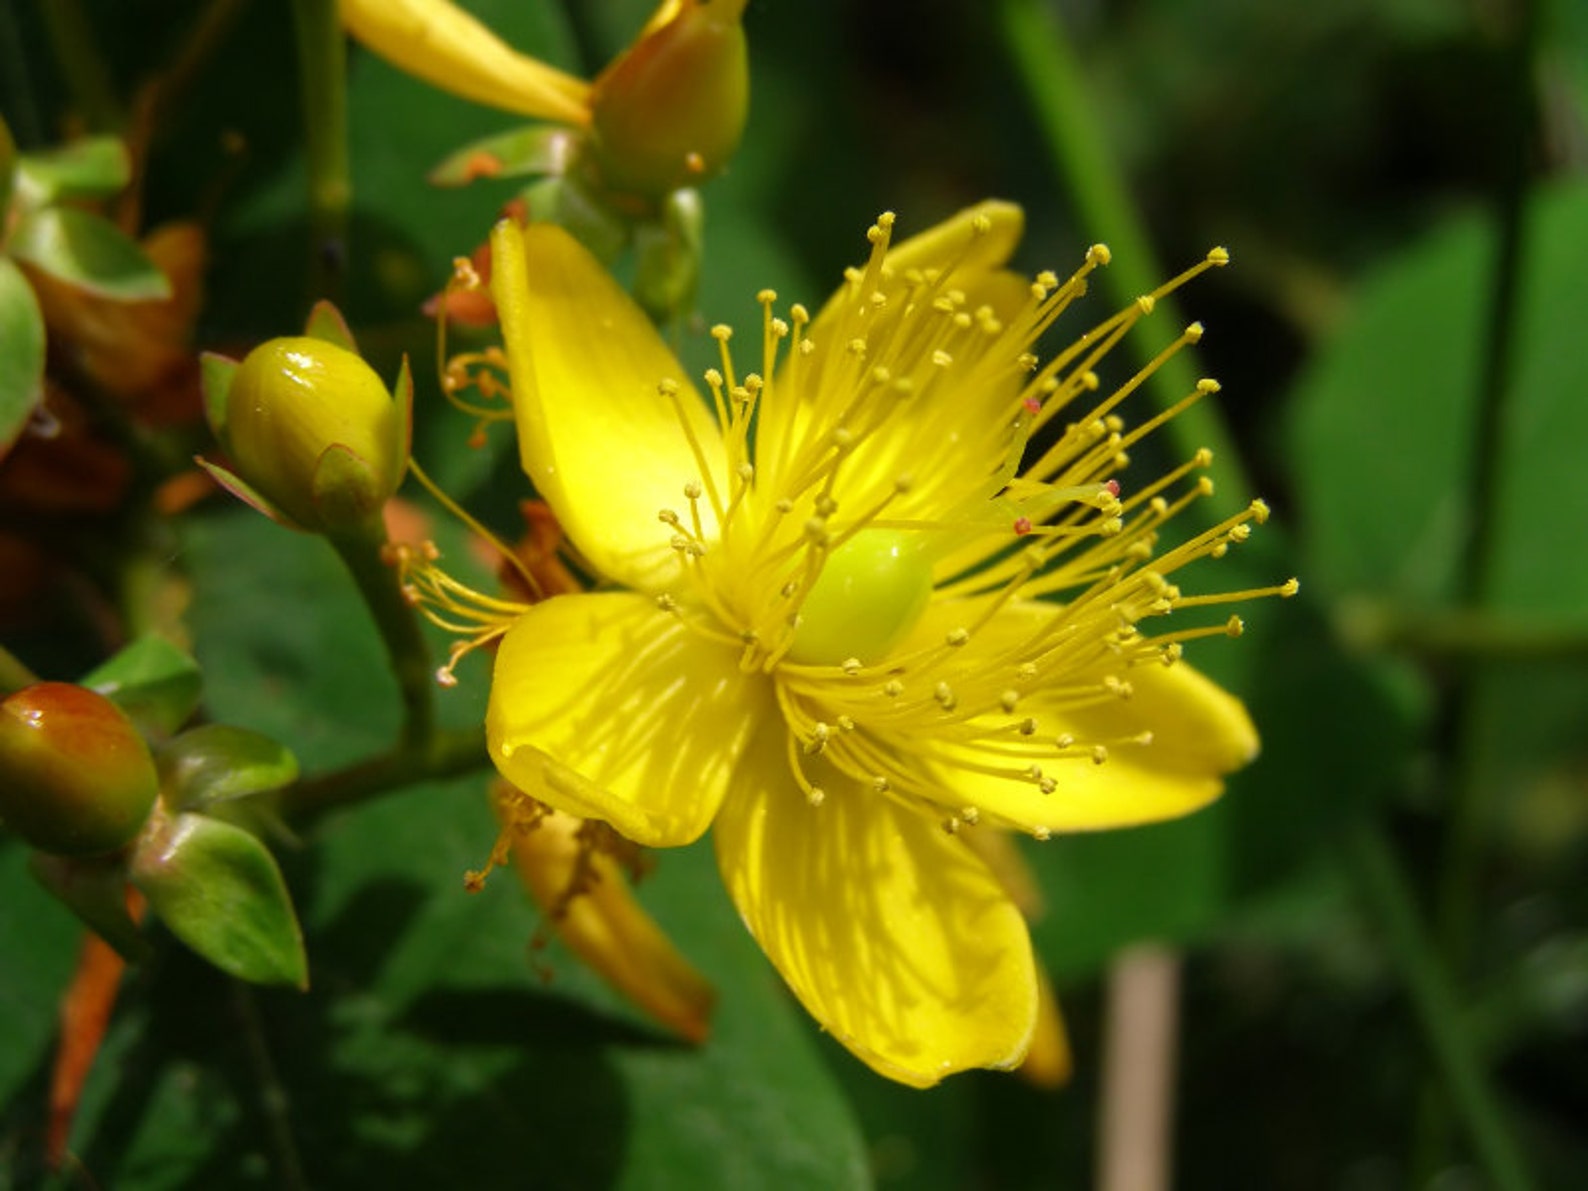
[
  {"x": 891, "y": 932},
  {"x": 1200, "y": 732},
  {"x": 605, "y": 449},
  {"x": 608, "y": 708},
  {"x": 439, "y": 42}
]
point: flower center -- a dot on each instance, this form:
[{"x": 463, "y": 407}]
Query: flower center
[{"x": 871, "y": 591}]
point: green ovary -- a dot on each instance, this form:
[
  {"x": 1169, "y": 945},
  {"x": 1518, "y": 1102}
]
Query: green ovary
[{"x": 869, "y": 594}]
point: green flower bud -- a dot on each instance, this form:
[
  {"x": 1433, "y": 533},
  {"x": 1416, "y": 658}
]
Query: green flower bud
[
  {"x": 869, "y": 595},
  {"x": 670, "y": 111},
  {"x": 313, "y": 431},
  {"x": 76, "y": 778}
]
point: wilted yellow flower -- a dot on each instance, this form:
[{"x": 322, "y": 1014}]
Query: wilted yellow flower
[
  {"x": 665, "y": 114},
  {"x": 866, "y": 600}
]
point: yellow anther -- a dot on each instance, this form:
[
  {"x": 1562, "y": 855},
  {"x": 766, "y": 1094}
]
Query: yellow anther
[
  {"x": 957, "y": 637},
  {"x": 1219, "y": 256}
]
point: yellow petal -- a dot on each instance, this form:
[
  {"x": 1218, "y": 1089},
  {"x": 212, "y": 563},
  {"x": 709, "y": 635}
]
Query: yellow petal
[
  {"x": 445, "y": 46},
  {"x": 591, "y": 907},
  {"x": 608, "y": 708},
  {"x": 604, "y": 448},
  {"x": 954, "y": 433},
  {"x": 956, "y": 242},
  {"x": 891, "y": 932},
  {"x": 1200, "y": 732}
]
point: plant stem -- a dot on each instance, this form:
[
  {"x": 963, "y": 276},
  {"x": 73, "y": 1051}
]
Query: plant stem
[
  {"x": 445, "y": 755},
  {"x": 1382, "y": 884},
  {"x": 322, "y": 66},
  {"x": 1469, "y": 775},
  {"x": 72, "y": 38},
  {"x": 1055, "y": 87},
  {"x": 398, "y": 624}
]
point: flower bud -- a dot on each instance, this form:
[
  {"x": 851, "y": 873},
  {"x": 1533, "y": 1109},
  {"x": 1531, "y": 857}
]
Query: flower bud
[
  {"x": 76, "y": 778},
  {"x": 312, "y": 430},
  {"x": 669, "y": 112}
]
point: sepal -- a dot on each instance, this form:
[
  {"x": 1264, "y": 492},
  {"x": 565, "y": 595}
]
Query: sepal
[
  {"x": 218, "y": 889},
  {"x": 153, "y": 681}
]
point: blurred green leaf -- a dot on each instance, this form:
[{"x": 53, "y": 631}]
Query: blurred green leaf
[
  {"x": 218, "y": 763},
  {"x": 39, "y": 939},
  {"x": 1380, "y": 437},
  {"x": 88, "y": 252},
  {"x": 1384, "y": 465},
  {"x": 91, "y": 168},
  {"x": 22, "y": 362},
  {"x": 219, "y": 890},
  {"x": 153, "y": 681}
]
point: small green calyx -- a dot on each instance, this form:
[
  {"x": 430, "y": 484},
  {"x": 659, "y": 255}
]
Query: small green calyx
[
  {"x": 669, "y": 113},
  {"x": 314, "y": 432},
  {"x": 869, "y": 595},
  {"x": 76, "y": 778}
]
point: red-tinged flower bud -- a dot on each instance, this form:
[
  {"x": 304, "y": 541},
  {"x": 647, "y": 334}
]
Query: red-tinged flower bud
[
  {"x": 76, "y": 778},
  {"x": 315, "y": 432},
  {"x": 670, "y": 111}
]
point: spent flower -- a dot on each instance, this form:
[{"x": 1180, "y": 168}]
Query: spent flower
[{"x": 881, "y": 594}]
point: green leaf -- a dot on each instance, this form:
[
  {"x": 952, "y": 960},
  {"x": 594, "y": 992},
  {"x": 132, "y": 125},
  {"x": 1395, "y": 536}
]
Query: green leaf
[
  {"x": 90, "y": 253},
  {"x": 153, "y": 681},
  {"x": 536, "y": 149},
  {"x": 91, "y": 168},
  {"x": 1385, "y": 467},
  {"x": 219, "y": 763},
  {"x": 219, "y": 890},
  {"x": 22, "y": 361}
]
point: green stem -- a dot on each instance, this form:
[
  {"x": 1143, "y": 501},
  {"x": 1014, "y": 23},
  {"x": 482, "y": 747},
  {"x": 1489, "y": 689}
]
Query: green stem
[
  {"x": 322, "y": 66},
  {"x": 399, "y": 629},
  {"x": 1469, "y": 776},
  {"x": 1055, "y": 86},
  {"x": 72, "y": 39},
  {"x": 1459, "y": 634},
  {"x": 445, "y": 755},
  {"x": 1384, "y": 888}
]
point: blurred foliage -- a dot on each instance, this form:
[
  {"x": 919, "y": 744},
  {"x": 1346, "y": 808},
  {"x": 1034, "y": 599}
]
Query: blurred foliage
[{"x": 1351, "y": 154}]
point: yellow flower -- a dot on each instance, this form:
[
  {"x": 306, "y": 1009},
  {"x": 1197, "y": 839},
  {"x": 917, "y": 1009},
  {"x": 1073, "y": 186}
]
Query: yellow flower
[{"x": 864, "y": 602}]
